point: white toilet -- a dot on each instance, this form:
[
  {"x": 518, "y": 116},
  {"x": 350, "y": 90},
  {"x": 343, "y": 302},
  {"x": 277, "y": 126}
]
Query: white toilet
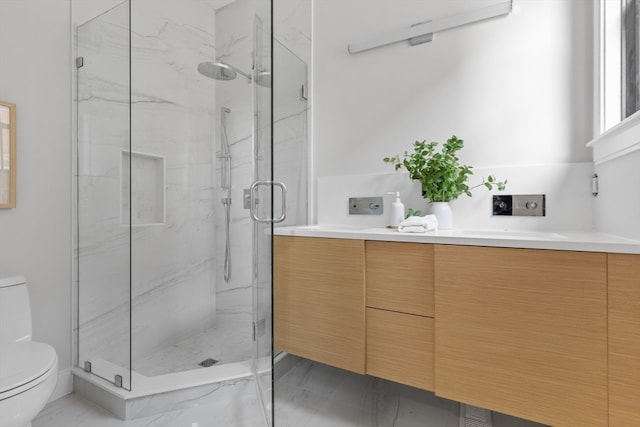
[{"x": 28, "y": 370}]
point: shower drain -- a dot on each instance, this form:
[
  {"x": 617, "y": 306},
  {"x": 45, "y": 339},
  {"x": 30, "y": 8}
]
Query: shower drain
[{"x": 208, "y": 362}]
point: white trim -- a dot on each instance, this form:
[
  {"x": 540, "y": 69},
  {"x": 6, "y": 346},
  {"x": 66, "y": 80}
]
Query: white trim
[
  {"x": 620, "y": 140},
  {"x": 611, "y": 57},
  {"x": 64, "y": 385},
  {"x": 149, "y": 386},
  {"x": 598, "y": 68}
]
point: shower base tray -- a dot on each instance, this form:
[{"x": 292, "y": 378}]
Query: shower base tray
[{"x": 162, "y": 393}]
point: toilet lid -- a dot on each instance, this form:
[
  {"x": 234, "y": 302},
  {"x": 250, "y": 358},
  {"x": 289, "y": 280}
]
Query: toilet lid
[{"x": 24, "y": 362}]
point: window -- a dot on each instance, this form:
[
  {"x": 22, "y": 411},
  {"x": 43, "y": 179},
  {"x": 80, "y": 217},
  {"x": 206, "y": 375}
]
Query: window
[
  {"x": 630, "y": 57},
  {"x": 619, "y": 59}
]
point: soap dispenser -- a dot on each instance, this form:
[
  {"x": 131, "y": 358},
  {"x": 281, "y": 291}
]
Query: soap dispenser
[{"x": 397, "y": 210}]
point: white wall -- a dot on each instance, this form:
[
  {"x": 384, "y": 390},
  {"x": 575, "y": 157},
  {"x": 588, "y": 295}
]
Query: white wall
[
  {"x": 516, "y": 88},
  {"x": 35, "y": 237},
  {"x": 617, "y": 207},
  {"x": 569, "y": 205}
]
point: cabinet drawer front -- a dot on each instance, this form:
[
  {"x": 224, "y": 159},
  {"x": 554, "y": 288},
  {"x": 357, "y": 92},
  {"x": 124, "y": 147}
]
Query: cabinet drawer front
[
  {"x": 400, "y": 277},
  {"x": 523, "y": 332},
  {"x": 319, "y": 300},
  {"x": 624, "y": 340},
  {"x": 400, "y": 347}
]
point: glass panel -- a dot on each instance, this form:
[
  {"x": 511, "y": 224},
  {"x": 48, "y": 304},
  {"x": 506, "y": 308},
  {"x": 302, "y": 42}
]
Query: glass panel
[
  {"x": 103, "y": 233},
  {"x": 290, "y": 138},
  {"x": 263, "y": 206},
  {"x": 174, "y": 200}
]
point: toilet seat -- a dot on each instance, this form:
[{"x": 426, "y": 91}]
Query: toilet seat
[{"x": 24, "y": 366}]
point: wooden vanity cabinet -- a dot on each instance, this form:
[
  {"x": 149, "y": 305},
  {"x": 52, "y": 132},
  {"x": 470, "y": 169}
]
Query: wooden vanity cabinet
[
  {"x": 523, "y": 332},
  {"x": 624, "y": 340},
  {"x": 549, "y": 336},
  {"x": 399, "y": 323},
  {"x": 319, "y": 300}
]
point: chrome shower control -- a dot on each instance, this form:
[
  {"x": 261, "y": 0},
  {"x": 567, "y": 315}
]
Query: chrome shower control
[
  {"x": 519, "y": 205},
  {"x": 246, "y": 198},
  {"x": 365, "y": 206}
]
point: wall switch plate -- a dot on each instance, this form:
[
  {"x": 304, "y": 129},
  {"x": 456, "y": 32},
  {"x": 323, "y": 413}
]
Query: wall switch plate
[
  {"x": 365, "y": 206},
  {"x": 519, "y": 205}
]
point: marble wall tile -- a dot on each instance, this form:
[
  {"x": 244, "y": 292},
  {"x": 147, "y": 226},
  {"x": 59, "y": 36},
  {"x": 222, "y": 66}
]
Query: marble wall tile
[{"x": 292, "y": 26}]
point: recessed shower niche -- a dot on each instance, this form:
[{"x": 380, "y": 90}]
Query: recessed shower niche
[{"x": 147, "y": 184}]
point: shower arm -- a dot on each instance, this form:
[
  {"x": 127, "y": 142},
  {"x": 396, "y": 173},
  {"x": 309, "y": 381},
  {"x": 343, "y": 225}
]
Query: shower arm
[{"x": 239, "y": 71}]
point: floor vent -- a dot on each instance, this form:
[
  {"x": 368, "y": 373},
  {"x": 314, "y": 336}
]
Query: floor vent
[
  {"x": 472, "y": 416},
  {"x": 208, "y": 362}
]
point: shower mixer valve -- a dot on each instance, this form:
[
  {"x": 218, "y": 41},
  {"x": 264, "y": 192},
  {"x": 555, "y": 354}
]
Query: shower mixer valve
[{"x": 246, "y": 198}]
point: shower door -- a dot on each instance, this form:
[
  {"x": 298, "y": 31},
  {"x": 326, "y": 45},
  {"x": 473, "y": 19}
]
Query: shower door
[{"x": 262, "y": 211}]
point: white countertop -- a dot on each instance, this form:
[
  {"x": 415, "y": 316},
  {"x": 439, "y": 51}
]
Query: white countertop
[{"x": 568, "y": 241}]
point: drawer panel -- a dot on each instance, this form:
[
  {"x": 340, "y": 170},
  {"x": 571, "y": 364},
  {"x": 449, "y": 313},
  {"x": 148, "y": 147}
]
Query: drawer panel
[
  {"x": 400, "y": 277},
  {"x": 400, "y": 348}
]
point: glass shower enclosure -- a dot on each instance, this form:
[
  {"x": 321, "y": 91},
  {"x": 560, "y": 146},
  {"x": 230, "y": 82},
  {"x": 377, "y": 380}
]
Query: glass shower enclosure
[{"x": 174, "y": 179}]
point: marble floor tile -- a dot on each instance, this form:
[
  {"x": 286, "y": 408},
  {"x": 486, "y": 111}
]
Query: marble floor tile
[
  {"x": 74, "y": 411},
  {"x": 316, "y": 395},
  {"x": 309, "y": 395}
]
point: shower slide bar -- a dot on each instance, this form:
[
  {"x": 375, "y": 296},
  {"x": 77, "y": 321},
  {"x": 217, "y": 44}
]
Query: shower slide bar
[{"x": 416, "y": 33}]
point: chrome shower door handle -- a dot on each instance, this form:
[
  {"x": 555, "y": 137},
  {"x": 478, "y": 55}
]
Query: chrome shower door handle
[{"x": 254, "y": 204}]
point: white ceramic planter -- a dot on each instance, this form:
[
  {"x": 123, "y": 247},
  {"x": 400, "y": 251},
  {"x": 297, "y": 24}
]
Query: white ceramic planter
[{"x": 443, "y": 213}]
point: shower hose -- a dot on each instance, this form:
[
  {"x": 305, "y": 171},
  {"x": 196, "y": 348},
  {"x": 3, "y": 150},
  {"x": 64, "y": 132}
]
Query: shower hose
[{"x": 227, "y": 251}]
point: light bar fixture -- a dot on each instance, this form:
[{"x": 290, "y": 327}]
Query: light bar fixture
[{"x": 430, "y": 27}]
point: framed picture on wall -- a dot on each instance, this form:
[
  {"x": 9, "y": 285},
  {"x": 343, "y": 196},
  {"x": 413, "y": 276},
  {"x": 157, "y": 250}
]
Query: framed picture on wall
[{"x": 7, "y": 155}]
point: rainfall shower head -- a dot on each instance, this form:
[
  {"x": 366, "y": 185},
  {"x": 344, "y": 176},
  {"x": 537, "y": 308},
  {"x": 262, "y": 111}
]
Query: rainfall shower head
[
  {"x": 222, "y": 71},
  {"x": 217, "y": 70}
]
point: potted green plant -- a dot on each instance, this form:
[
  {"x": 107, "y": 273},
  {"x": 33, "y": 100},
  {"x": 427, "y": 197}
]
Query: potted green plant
[{"x": 441, "y": 175}]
